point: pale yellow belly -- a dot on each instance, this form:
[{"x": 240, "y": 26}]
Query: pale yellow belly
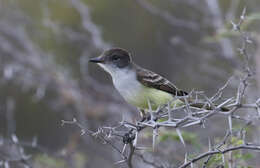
[{"x": 156, "y": 98}]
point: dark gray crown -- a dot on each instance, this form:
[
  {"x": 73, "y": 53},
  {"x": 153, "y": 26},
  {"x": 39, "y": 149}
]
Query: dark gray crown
[{"x": 117, "y": 56}]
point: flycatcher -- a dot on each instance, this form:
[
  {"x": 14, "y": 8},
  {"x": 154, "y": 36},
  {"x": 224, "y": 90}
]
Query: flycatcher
[{"x": 137, "y": 85}]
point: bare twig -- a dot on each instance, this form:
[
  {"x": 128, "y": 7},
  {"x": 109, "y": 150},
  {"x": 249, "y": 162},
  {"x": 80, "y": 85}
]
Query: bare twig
[{"x": 209, "y": 153}]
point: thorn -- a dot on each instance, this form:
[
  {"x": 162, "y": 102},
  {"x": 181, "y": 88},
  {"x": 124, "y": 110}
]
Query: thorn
[
  {"x": 258, "y": 106},
  {"x": 223, "y": 159},
  {"x": 186, "y": 158},
  {"x": 248, "y": 40},
  {"x": 120, "y": 161},
  {"x": 242, "y": 17},
  {"x": 258, "y": 102},
  {"x": 6, "y": 164},
  {"x": 135, "y": 140},
  {"x": 192, "y": 123},
  {"x": 123, "y": 150},
  {"x": 155, "y": 134},
  {"x": 158, "y": 109},
  {"x": 141, "y": 148},
  {"x": 62, "y": 123},
  {"x": 14, "y": 139},
  {"x": 169, "y": 111},
  {"x": 242, "y": 51},
  {"x": 123, "y": 117},
  {"x": 180, "y": 136},
  {"x": 244, "y": 136},
  {"x": 225, "y": 102},
  {"x": 1, "y": 140},
  {"x": 82, "y": 132},
  {"x": 26, "y": 157},
  {"x": 34, "y": 141},
  {"x": 203, "y": 124},
  {"x": 235, "y": 27},
  {"x": 210, "y": 145},
  {"x": 149, "y": 105},
  {"x": 230, "y": 123}
]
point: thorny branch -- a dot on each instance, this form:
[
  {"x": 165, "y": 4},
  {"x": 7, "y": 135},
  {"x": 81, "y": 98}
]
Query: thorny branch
[
  {"x": 97, "y": 135},
  {"x": 148, "y": 162},
  {"x": 241, "y": 91},
  {"x": 164, "y": 117},
  {"x": 13, "y": 151},
  {"x": 127, "y": 133},
  {"x": 210, "y": 153}
]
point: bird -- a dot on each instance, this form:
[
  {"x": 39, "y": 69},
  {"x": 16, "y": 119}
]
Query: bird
[{"x": 140, "y": 87}]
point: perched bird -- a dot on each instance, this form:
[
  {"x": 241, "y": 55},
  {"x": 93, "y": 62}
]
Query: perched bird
[{"x": 138, "y": 86}]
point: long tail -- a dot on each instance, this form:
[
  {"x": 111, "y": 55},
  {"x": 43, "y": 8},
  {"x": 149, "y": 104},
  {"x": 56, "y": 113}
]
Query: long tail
[{"x": 207, "y": 107}]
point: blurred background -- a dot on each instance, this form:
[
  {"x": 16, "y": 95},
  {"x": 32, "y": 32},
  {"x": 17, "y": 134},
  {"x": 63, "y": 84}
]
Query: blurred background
[{"x": 45, "y": 77}]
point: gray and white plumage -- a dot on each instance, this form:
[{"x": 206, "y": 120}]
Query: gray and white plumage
[{"x": 137, "y": 85}]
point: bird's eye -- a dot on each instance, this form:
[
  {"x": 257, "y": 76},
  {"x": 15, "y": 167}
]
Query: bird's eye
[{"x": 115, "y": 58}]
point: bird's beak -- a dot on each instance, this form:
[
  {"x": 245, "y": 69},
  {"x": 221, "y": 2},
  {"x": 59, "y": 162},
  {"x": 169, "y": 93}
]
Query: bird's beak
[{"x": 99, "y": 59}]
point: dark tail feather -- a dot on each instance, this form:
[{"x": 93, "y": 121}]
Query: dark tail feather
[{"x": 207, "y": 107}]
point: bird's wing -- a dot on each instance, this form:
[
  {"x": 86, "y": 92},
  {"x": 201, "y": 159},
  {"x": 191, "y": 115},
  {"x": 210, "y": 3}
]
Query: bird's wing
[{"x": 153, "y": 80}]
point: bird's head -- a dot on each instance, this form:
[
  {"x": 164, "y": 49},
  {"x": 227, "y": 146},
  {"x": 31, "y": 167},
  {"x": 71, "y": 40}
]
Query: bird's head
[{"x": 113, "y": 59}]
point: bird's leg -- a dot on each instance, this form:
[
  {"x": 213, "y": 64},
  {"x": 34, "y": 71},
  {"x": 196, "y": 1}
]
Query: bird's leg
[{"x": 144, "y": 115}]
